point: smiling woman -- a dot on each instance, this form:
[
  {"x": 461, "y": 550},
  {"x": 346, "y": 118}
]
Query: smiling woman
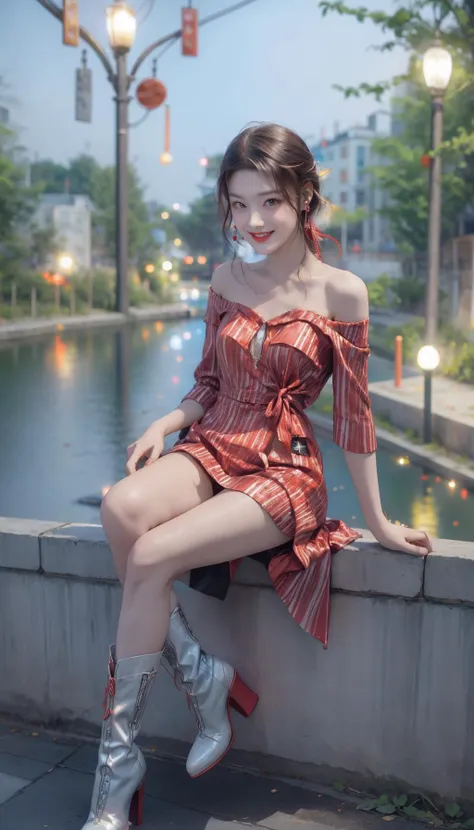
[
  {"x": 263, "y": 209},
  {"x": 247, "y": 478}
]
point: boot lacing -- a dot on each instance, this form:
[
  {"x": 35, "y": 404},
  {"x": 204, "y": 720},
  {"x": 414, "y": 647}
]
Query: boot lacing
[{"x": 171, "y": 662}]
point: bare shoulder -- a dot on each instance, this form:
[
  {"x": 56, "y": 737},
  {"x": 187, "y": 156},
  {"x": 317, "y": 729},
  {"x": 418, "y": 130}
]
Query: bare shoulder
[
  {"x": 220, "y": 278},
  {"x": 348, "y": 296}
]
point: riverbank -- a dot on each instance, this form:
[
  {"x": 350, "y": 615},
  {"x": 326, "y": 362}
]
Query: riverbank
[
  {"x": 398, "y": 411},
  {"x": 432, "y": 458},
  {"x": 30, "y": 328},
  {"x": 452, "y": 410}
]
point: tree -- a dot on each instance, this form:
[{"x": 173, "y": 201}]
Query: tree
[
  {"x": 49, "y": 176},
  {"x": 82, "y": 174},
  {"x": 402, "y": 175},
  {"x": 17, "y": 202},
  {"x": 103, "y": 197},
  {"x": 351, "y": 220},
  {"x": 213, "y": 166},
  {"x": 201, "y": 229}
]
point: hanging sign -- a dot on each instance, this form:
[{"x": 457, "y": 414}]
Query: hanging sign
[
  {"x": 71, "y": 22},
  {"x": 190, "y": 27},
  {"x": 84, "y": 95},
  {"x": 151, "y": 93}
]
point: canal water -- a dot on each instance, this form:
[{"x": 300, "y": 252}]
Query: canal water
[{"x": 71, "y": 402}]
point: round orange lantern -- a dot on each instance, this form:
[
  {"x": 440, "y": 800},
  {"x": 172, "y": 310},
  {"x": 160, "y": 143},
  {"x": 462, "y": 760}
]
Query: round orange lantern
[{"x": 151, "y": 93}]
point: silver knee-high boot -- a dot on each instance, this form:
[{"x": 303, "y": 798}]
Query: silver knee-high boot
[
  {"x": 212, "y": 687},
  {"x": 118, "y": 787}
]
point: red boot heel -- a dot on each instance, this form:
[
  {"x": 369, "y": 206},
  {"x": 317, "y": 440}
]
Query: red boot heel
[
  {"x": 136, "y": 807},
  {"x": 241, "y": 697}
]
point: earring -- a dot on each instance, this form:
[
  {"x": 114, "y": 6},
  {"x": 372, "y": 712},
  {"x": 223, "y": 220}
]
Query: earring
[
  {"x": 234, "y": 237},
  {"x": 306, "y": 218}
]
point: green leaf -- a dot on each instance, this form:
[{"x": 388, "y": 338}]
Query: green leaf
[
  {"x": 400, "y": 800},
  {"x": 412, "y": 812},
  {"x": 386, "y": 809},
  {"x": 382, "y": 800},
  {"x": 339, "y": 786},
  {"x": 469, "y": 823},
  {"x": 367, "y": 805},
  {"x": 452, "y": 809}
]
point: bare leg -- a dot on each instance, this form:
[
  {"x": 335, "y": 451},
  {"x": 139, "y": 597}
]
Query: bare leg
[
  {"x": 149, "y": 497},
  {"x": 225, "y": 527}
]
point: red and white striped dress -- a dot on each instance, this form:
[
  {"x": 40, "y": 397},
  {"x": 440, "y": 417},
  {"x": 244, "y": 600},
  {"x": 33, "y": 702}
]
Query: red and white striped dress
[{"x": 254, "y": 382}]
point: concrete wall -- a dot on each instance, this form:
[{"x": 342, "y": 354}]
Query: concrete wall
[{"x": 391, "y": 699}]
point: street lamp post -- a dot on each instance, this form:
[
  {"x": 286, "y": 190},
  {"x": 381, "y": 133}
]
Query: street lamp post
[
  {"x": 121, "y": 28},
  {"x": 428, "y": 360},
  {"x": 437, "y": 68}
]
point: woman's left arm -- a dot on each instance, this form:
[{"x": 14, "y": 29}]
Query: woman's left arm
[
  {"x": 363, "y": 470},
  {"x": 354, "y": 429}
]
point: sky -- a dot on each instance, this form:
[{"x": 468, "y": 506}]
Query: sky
[{"x": 275, "y": 60}]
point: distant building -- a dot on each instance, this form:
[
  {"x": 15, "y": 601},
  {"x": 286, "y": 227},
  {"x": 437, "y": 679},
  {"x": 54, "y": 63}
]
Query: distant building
[
  {"x": 71, "y": 217},
  {"x": 348, "y": 155}
]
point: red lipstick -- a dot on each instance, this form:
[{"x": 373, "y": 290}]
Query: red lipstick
[{"x": 261, "y": 237}]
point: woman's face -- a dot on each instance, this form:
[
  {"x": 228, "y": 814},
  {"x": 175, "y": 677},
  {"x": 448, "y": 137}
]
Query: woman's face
[{"x": 260, "y": 213}]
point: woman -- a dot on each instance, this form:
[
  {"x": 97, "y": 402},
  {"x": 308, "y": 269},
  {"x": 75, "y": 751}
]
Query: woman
[{"x": 247, "y": 477}]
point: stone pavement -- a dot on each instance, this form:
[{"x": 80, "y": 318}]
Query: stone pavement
[{"x": 46, "y": 782}]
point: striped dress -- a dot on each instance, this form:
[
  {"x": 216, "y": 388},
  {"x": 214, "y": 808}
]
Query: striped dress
[{"x": 254, "y": 382}]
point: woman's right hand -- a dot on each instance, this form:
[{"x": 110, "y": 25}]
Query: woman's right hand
[{"x": 148, "y": 447}]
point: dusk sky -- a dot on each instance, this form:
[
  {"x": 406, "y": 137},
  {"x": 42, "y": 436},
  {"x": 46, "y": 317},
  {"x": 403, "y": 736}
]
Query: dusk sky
[{"x": 276, "y": 60}]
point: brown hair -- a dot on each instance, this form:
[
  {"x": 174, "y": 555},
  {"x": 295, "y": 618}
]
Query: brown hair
[{"x": 282, "y": 154}]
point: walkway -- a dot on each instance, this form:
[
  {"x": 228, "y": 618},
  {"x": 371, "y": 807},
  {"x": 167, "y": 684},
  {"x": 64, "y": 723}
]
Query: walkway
[{"x": 46, "y": 782}]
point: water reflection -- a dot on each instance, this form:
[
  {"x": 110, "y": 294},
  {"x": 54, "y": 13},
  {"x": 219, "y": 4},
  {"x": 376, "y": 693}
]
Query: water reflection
[
  {"x": 424, "y": 513},
  {"x": 122, "y": 363},
  {"x": 61, "y": 357},
  {"x": 76, "y": 400}
]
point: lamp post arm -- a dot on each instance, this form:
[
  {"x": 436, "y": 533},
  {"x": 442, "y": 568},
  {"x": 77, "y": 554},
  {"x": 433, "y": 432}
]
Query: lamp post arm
[
  {"x": 177, "y": 34},
  {"x": 53, "y": 9}
]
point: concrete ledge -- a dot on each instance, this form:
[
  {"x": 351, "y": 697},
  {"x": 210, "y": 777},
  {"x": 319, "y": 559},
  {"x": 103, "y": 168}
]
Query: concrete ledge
[
  {"x": 449, "y": 574},
  {"x": 76, "y": 550},
  {"x": 390, "y": 700},
  {"x": 20, "y": 542},
  {"x": 361, "y": 568},
  {"x": 81, "y": 550}
]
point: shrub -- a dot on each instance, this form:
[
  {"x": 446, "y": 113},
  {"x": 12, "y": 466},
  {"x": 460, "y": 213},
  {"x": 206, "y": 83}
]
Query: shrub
[
  {"x": 412, "y": 334},
  {"x": 458, "y": 362},
  {"x": 380, "y": 291}
]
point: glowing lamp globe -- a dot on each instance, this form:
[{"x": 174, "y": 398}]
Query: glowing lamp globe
[
  {"x": 121, "y": 26},
  {"x": 428, "y": 358},
  {"x": 437, "y": 68}
]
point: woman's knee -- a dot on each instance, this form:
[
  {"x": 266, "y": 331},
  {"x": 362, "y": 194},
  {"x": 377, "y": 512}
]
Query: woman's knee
[
  {"x": 123, "y": 505},
  {"x": 147, "y": 561}
]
